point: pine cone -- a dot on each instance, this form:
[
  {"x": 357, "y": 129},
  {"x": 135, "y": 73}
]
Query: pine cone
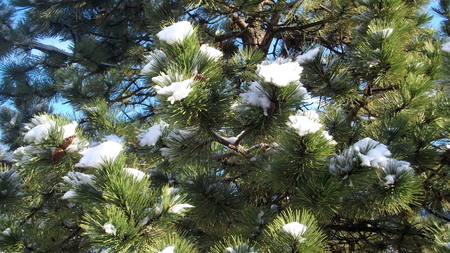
[
  {"x": 67, "y": 141},
  {"x": 57, "y": 155}
]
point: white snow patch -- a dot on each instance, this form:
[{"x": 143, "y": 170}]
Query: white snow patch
[
  {"x": 169, "y": 249},
  {"x": 256, "y": 97},
  {"x": 180, "y": 208},
  {"x": 390, "y": 179},
  {"x": 153, "y": 58},
  {"x": 241, "y": 248},
  {"x": 308, "y": 122},
  {"x": 176, "y": 32},
  {"x": 109, "y": 228},
  {"x": 447, "y": 245},
  {"x": 211, "y": 52},
  {"x": 372, "y": 153},
  {"x": 150, "y": 136},
  {"x": 96, "y": 156},
  {"x": 295, "y": 229},
  {"x": 77, "y": 178},
  {"x": 6, "y": 232},
  {"x": 446, "y": 47},
  {"x": 281, "y": 72},
  {"x": 384, "y": 33},
  {"x": 139, "y": 175},
  {"x": 69, "y": 194},
  {"x": 307, "y": 56},
  {"x": 303, "y": 124},
  {"x": 177, "y": 90},
  {"x": 42, "y": 125},
  {"x": 69, "y": 129},
  {"x": 114, "y": 138}
]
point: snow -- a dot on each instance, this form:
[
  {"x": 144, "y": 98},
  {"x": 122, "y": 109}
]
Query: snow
[
  {"x": 365, "y": 160},
  {"x": 92, "y": 109},
  {"x": 281, "y": 72},
  {"x": 307, "y": 56},
  {"x": 390, "y": 179},
  {"x": 384, "y": 33},
  {"x": 295, "y": 229},
  {"x": 372, "y": 153},
  {"x": 172, "y": 190},
  {"x": 180, "y": 208},
  {"x": 42, "y": 125},
  {"x": 114, "y": 138},
  {"x": 150, "y": 136},
  {"x": 395, "y": 167},
  {"x": 77, "y": 178},
  {"x": 255, "y": 97},
  {"x": 109, "y": 228},
  {"x": 137, "y": 174},
  {"x": 69, "y": 129},
  {"x": 177, "y": 90},
  {"x": 308, "y": 122},
  {"x": 260, "y": 219},
  {"x": 169, "y": 249},
  {"x": 240, "y": 248},
  {"x": 49, "y": 48},
  {"x": 96, "y": 156},
  {"x": 6, "y": 232},
  {"x": 176, "y": 33},
  {"x": 447, "y": 245},
  {"x": 303, "y": 124},
  {"x": 67, "y": 85},
  {"x": 69, "y": 194},
  {"x": 446, "y": 47},
  {"x": 38, "y": 133},
  {"x": 211, "y": 52},
  {"x": 153, "y": 59}
]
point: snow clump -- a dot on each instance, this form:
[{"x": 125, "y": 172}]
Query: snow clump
[
  {"x": 295, "y": 229},
  {"x": 179, "y": 208},
  {"x": 372, "y": 153},
  {"x": 308, "y": 122},
  {"x": 446, "y": 47},
  {"x": 137, "y": 174},
  {"x": 6, "y": 232},
  {"x": 75, "y": 179},
  {"x": 41, "y": 125},
  {"x": 154, "y": 58},
  {"x": 176, "y": 33},
  {"x": 109, "y": 228},
  {"x": 307, "y": 56},
  {"x": 384, "y": 33},
  {"x": 176, "y": 91},
  {"x": 150, "y": 136},
  {"x": 281, "y": 72},
  {"x": 168, "y": 249},
  {"x": 240, "y": 248},
  {"x": 305, "y": 123},
  {"x": 211, "y": 52},
  {"x": 96, "y": 156},
  {"x": 256, "y": 97}
]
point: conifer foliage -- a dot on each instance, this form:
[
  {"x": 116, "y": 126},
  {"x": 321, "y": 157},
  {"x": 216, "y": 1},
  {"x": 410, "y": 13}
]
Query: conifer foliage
[{"x": 225, "y": 126}]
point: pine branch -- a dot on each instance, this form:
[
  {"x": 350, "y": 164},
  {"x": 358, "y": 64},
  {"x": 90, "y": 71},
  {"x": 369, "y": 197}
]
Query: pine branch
[
  {"x": 35, "y": 210},
  {"x": 74, "y": 234},
  {"x": 302, "y": 27},
  {"x": 234, "y": 146},
  {"x": 49, "y": 49},
  {"x": 437, "y": 215}
]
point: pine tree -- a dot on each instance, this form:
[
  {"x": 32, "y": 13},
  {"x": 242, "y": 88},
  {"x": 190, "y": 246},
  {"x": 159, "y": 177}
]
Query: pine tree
[{"x": 225, "y": 126}]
